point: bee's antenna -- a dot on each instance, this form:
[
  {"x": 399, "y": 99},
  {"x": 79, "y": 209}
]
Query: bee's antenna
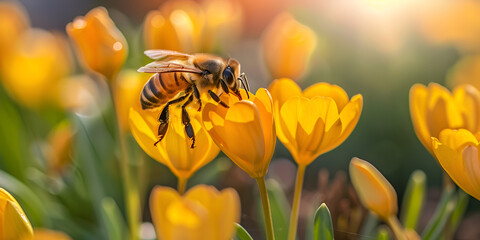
[{"x": 243, "y": 79}]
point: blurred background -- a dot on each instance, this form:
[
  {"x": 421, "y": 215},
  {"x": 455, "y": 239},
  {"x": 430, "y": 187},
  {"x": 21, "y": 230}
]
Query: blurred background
[{"x": 378, "y": 48}]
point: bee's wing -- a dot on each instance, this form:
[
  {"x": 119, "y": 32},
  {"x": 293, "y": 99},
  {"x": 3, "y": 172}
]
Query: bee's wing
[
  {"x": 162, "y": 67},
  {"x": 160, "y": 54}
]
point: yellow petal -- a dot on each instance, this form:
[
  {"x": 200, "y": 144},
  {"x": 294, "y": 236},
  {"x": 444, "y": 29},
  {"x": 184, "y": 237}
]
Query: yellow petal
[
  {"x": 450, "y": 159},
  {"x": 467, "y": 99},
  {"x": 472, "y": 168},
  {"x": 144, "y": 136},
  {"x": 243, "y": 139},
  {"x": 457, "y": 139},
  {"x": 241, "y": 131},
  {"x": 442, "y": 111},
  {"x": 374, "y": 191},
  {"x": 418, "y": 111},
  {"x": 161, "y": 198},
  {"x": 202, "y": 213},
  {"x": 14, "y": 223},
  {"x": 328, "y": 90},
  {"x": 348, "y": 120},
  {"x": 126, "y": 90},
  {"x": 224, "y": 208}
]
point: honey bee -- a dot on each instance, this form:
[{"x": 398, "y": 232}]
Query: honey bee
[{"x": 182, "y": 77}]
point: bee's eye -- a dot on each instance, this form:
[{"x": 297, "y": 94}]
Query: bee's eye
[{"x": 228, "y": 75}]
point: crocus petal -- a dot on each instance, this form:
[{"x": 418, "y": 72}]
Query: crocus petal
[
  {"x": 472, "y": 168},
  {"x": 418, "y": 100},
  {"x": 442, "y": 111},
  {"x": 457, "y": 139},
  {"x": 245, "y": 131},
  {"x": 450, "y": 159},
  {"x": 224, "y": 205},
  {"x": 239, "y": 135},
  {"x": 328, "y": 90},
  {"x": 144, "y": 136},
  {"x": 14, "y": 223},
  {"x": 374, "y": 191},
  {"x": 202, "y": 213},
  {"x": 467, "y": 99}
]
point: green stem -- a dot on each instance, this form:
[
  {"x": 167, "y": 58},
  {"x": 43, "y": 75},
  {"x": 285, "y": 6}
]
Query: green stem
[
  {"x": 182, "y": 185},
  {"x": 292, "y": 230},
  {"x": 266, "y": 208},
  {"x": 131, "y": 188},
  {"x": 396, "y": 227}
]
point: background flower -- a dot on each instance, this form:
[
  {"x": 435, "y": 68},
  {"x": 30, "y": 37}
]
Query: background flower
[
  {"x": 202, "y": 213},
  {"x": 100, "y": 45}
]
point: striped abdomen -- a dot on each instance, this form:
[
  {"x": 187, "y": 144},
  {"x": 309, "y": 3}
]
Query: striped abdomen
[{"x": 162, "y": 87}]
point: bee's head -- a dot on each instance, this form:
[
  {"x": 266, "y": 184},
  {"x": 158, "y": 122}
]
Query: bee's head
[{"x": 230, "y": 74}]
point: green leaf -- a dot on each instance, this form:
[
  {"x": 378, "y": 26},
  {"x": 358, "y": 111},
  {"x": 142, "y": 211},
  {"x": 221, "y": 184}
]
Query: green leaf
[
  {"x": 115, "y": 225},
  {"x": 241, "y": 233},
  {"x": 444, "y": 210},
  {"x": 457, "y": 215},
  {"x": 28, "y": 199},
  {"x": 323, "y": 228},
  {"x": 413, "y": 200},
  {"x": 368, "y": 229},
  {"x": 383, "y": 233},
  {"x": 279, "y": 208}
]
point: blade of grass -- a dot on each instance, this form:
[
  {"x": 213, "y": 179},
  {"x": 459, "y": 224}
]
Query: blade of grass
[
  {"x": 413, "y": 200},
  {"x": 115, "y": 225},
  {"x": 443, "y": 211}
]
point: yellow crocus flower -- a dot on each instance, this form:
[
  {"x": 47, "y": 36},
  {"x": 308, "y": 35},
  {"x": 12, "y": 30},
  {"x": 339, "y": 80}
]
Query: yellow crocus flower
[
  {"x": 36, "y": 67},
  {"x": 14, "y": 223},
  {"x": 377, "y": 195},
  {"x": 457, "y": 152},
  {"x": 47, "y": 234},
  {"x": 202, "y": 213},
  {"x": 13, "y": 23},
  {"x": 99, "y": 44},
  {"x": 126, "y": 91},
  {"x": 245, "y": 131},
  {"x": 287, "y": 46},
  {"x": 174, "y": 150},
  {"x": 434, "y": 108},
  {"x": 375, "y": 192},
  {"x": 314, "y": 121},
  {"x": 177, "y": 26}
]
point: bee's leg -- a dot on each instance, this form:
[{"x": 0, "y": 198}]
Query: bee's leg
[
  {"x": 217, "y": 99},
  {"x": 163, "y": 119},
  {"x": 196, "y": 93},
  {"x": 186, "y": 121},
  {"x": 224, "y": 86}
]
